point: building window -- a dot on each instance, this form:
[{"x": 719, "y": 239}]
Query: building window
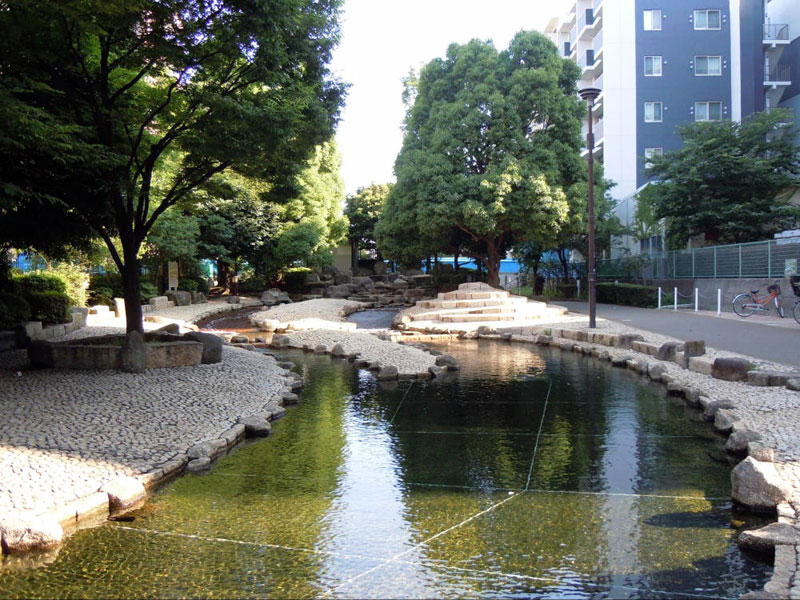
[
  {"x": 650, "y": 153},
  {"x": 652, "y": 112},
  {"x": 652, "y": 20},
  {"x": 707, "y": 19},
  {"x": 708, "y": 111},
  {"x": 708, "y": 65},
  {"x": 652, "y": 66}
]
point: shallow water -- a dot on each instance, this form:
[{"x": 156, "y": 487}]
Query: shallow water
[{"x": 531, "y": 472}]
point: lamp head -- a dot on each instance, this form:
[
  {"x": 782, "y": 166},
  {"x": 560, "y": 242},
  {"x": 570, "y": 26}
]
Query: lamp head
[{"x": 589, "y": 94}]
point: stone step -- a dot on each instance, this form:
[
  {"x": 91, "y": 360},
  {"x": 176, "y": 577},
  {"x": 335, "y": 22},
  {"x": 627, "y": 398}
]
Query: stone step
[
  {"x": 461, "y": 295},
  {"x": 453, "y": 304},
  {"x": 473, "y": 318},
  {"x": 434, "y": 314}
]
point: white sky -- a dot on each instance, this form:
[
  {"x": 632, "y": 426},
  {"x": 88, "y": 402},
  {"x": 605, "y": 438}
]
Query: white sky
[{"x": 383, "y": 39}]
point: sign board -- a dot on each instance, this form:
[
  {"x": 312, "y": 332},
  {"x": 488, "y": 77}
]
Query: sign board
[
  {"x": 173, "y": 275},
  {"x": 791, "y": 267}
]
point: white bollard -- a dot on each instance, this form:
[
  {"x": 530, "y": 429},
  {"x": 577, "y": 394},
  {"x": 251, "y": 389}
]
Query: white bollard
[
  {"x": 675, "y": 291},
  {"x": 719, "y": 302},
  {"x": 659, "y": 296},
  {"x": 696, "y": 299}
]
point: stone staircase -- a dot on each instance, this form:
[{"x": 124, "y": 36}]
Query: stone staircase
[{"x": 479, "y": 302}]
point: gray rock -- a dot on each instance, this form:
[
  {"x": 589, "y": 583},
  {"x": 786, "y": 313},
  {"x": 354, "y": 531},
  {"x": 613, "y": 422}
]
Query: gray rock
[
  {"x": 543, "y": 340},
  {"x": 387, "y": 373},
  {"x": 19, "y": 535},
  {"x": 199, "y": 298},
  {"x": 212, "y": 346},
  {"x": 275, "y": 296},
  {"x": 793, "y": 384},
  {"x": 758, "y": 486},
  {"x": 338, "y": 350},
  {"x": 124, "y": 494},
  {"x": 198, "y": 465},
  {"x": 280, "y": 341},
  {"x": 766, "y": 538},
  {"x": 159, "y": 302},
  {"x": 342, "y": 278},
  {"x": 233, "y": 300},
  {"x": 285, "y": 364},
  {"x": 133, "y": 355},
  {"x": 173, "y": 328},
  {"x": 275, "y": 411},
  {"x": 620, "y": 361},
  {"x": 447, "y": 361},
  {"x": 210, "y": 448},
  {"x": 668, "y": 350},
  {"x": 256, "y": 426},
  {"x": 760, "y": 452},
  {"x": 710, "y": 411},
  {"x": 626, "y": 340},
  {"x": 320, "y": 349},
  {"x": 730, "y": 369},
  {"x": 436, "y": 371},
  {"x": 290, "y": 399},
  {"x": 694, "y": 348},
  {"x": 339, "y": 291},
  {"x": 240, "y": 339},
  {"x": 179, "y": 297},
  {"x": 363, "y": 283},
  {"x": 655, "y": 371},
  {"x": 738, "y": 441},
  {"x": 724, "y": 420}
]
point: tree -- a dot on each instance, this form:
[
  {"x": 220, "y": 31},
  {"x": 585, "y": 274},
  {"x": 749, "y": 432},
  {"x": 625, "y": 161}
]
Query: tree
[
  {"x": 491, "y": 142},
  {"x": 726, "y": 180},
  {"x": 362, "y": 211},
  {"x": 107, "y": 90}
]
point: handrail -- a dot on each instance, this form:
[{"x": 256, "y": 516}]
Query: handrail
[{"x": 776, "y": 32}]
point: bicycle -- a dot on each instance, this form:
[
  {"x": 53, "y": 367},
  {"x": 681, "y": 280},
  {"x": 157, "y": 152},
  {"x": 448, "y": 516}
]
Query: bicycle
[
  {"x": 794, "y": 280},
  {"x": 746, "y": 304}
]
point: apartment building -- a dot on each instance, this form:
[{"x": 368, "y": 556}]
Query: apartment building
[{"x": 662, "y": 63}]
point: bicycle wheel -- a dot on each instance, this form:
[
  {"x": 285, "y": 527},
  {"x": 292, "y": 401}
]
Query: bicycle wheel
[
  {"x": 744, "y": 305},
  {"x": 781, "y": 311},
  {"x": 796, "y": 311}
]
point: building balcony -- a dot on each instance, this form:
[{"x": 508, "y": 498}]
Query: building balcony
[
  {"x": 588, "y": 24},
  {"x": 775, "y": 35},
  {"x": 598, "y": 7},
  {"x": 780, "y": 75},
  {"x": 590, "y": 64},
  {"x": 599, "y": 140}
]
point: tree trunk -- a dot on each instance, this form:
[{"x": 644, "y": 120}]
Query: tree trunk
[
  {"x": 455, "y": 260},
  {"x": 428, "y": 264},
  {"x": 131, "y": 288},
  {"x": 562, "y": 257},
  {"x": 353, "y": 254},
  {"x": 492, "y": 264},
  {"x": 223, "y": 274}
]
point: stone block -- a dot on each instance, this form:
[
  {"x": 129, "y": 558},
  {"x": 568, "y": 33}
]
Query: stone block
[
  {"x": 124, "y": 494},
  {"x": 644, "y": 347},
  {"x": 174, "y": 354},
  {"x": 758, "y": 486},
  {"x": 290, "y": 398},
  {"x": 793, "y": 384},
  {"x": 731, "y": 369},
  {"x": 655, "y": 371},
  {"x": 119, "y": 307},
  {"x": 256, "y": 426},
  {"x": 234, "y": 435},
  {"x": 101, "y": 310},
  {"x": 199, "y": 298},
  {"x": 209, "y": 448},
  {"x": 22, "y": 534},
  {"x": 447, "y": 361},
  {"x": 694, "y": 348},
  {"x": 766, "y": 538},
  {"x": 92, "y": 508},
  {"x": 759, "y": 452},
  {"x": 159, "y": 302},
  {"x": 724, "y": 420},
  {"x": 198, "y": 465},
  {"x": 240, "y": 339},
  {"x": 275, "y": 296},
  {"x": 55, "y": 331},
  {"x": 668, "y": 350},
  {"x": 29, "y": 332},
  {"x": 275, "y": 411},
  {"x": 387, "y": 373},
  {"x": 233, "y": 300},
  {"x": 338, "y": 350},
  {"x": 738, "y": 441},
  {"x": 700, "y": 365},
  {"x": 712, "y": 406},
  {"x": 626, "y": 340}
]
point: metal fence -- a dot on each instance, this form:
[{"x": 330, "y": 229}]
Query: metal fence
[{"x": 770, "y": 258}]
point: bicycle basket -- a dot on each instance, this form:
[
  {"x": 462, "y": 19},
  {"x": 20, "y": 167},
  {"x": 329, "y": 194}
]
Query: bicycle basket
[
  {"x": 794, "y": 281},
  {"x": 774, "y": 288}
]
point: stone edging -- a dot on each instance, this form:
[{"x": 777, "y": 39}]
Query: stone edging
[{"x": 783, "y": 536}]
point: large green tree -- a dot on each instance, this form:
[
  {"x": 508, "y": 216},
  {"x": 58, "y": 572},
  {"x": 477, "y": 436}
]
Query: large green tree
[
  {"x": 727, "y": 179},
  {"x": 362, "y": 211},
  {"x": 99, "y": 93},
  {"x": 491, "y": 142}
]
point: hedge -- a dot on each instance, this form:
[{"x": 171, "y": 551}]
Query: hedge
[
  {"x": 14, "y": 310},
  {"x": 49, "y": 306},
  {"x": 627, "y": 294},
  {"x": 40, "y": 282}
]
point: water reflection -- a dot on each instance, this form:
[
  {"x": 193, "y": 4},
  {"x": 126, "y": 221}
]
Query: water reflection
[{"x": 530, "y": 473}]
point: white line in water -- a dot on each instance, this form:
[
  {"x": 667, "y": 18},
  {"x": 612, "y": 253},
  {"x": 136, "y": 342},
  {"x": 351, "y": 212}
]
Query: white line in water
[
  {"x": 396, "y": 410},
  {"x": 538, "y": 435}
]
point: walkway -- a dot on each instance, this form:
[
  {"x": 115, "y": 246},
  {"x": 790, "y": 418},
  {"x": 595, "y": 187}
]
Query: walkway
[{"x": 772, "y": 339}]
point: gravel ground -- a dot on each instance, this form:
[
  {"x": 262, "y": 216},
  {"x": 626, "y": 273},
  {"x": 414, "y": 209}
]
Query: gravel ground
[{"x": 323, "y": 313}]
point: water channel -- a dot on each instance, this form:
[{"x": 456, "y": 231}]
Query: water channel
[{"x": 531, "y": 472}]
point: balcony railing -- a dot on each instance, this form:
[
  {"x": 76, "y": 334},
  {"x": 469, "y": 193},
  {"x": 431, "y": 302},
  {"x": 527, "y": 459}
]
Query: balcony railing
[
  {"x": 774, "y": 33},
  {"x": 597, "y": 44},
  {"x": 585, "y": 18},
  {"x": 586, "y": 59},
  {"x": 780, "y": 73}
]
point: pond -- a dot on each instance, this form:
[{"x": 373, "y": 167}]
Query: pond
[{"x": 531, "y": 472}]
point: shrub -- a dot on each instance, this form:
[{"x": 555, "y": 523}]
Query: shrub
[
  {"x": 627, "y": 294},
  {"x": 104, "y": 287},
  {"x": 75, "y": 279},
  {"x": 147, "y": 290},
  {"x": 50, "y": 306},
  {"x": 188, "y": 285},
  {"x": 294, "y": 278},
  {"x": 101, "y": 295},
  {"x": 14, "y": 309},
  {"x": 254, "y": 284},
  {"x": 39, "y": 281}
]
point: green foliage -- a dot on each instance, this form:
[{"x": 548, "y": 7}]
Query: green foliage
[
  {"x": 627, "y": 294},
  {"x": 97, "y": 97},
  {"x": 492, "y": 141},
  {"x": 14, "y": 309},
  {"x": 726, "y": 180},
  {"x": 362, "y": 211},
  {"x": 75, "y": 280},
  {"x": 294, "y": 278},
  {"x": 174, "y": 236},
  {"x": 149, "y": 290},
  {"x": 38, "y": 281},
  {"x": 188, "y": 285},
  {"x": 49, "y": 306}
]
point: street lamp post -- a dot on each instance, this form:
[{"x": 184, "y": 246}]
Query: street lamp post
[{"x": 590, "y": 95}]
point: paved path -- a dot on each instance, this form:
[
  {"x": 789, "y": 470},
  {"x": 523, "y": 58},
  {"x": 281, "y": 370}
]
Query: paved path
[{"x": 772, "y": 339}]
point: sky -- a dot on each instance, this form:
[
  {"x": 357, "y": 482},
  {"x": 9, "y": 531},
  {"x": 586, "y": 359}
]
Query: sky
[{"x": 383, "y": 39}]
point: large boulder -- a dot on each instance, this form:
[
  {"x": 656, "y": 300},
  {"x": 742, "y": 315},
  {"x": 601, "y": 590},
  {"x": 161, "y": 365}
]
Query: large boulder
[
  {"x": 179, "y": 297},
  {"x": 342, "y": 278},
  {"x": 668, "y": 350},
  {"x": 124, "y": 494},
  {"x": 766, "y": 538},
  {"x": 19, "y": 535},
  {"x": 212, "y": 346},
  {"x": 730, "y": 368},
  {"x": 758, "y": 485},
  {"x": 275, "y": 296},
  {"x": 339, "y": 291},
  {"x": 379, "y": 268},
  {"x": 199, "y": 298},
  {"x": 363, "y": 283}
]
